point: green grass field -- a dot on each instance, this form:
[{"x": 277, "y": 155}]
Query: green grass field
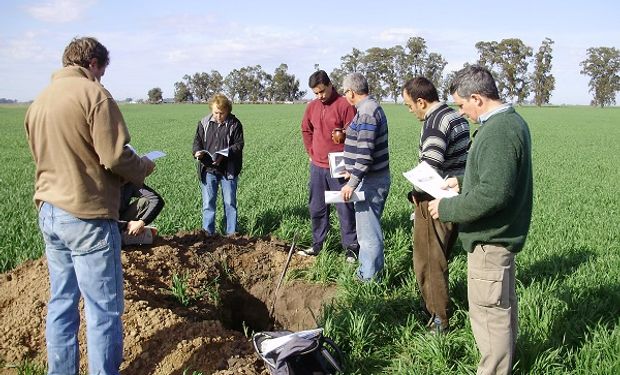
[{"x": 568, "y": 273}]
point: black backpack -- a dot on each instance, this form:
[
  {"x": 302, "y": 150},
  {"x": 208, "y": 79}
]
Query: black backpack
[{"x": 303, "y": 353}]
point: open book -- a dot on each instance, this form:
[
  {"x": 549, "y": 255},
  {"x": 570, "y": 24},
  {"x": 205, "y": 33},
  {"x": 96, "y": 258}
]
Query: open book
[
  {"x": 223, "y": 152},
  {"x": 275, "y": 344},
  {"x": 424, "y": 177},
  {"x": 336, "y": 164}
]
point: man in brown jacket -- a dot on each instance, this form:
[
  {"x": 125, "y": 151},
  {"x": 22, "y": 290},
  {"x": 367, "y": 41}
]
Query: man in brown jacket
[{"x": 78, "y": 139}]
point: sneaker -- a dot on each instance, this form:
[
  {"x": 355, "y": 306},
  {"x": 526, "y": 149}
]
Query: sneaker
[
  {"x": 436, "y": 327},
  {"x": 309, "y": 252},
  {"x": 352, "y": 254}
]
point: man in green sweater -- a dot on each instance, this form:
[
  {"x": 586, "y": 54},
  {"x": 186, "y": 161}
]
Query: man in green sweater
[{"x": 493, "y": 210}]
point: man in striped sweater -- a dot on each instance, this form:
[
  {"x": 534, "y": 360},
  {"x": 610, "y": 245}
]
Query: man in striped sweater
[
  {"x": 443, "y": 145},
  {"x": 366, "y": 157}
]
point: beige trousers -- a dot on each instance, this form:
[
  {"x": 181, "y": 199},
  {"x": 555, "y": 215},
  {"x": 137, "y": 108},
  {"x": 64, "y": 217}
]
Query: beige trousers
[{"x": 493, "y": 307}]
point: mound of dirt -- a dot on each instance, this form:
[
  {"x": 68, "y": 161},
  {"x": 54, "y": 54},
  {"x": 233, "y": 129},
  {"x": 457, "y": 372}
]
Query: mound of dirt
[{"x": 190, "y": 304}]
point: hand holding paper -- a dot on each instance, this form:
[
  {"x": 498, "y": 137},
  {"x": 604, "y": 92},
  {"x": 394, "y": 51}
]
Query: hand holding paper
[
  {"x": 424, "y": 177},
  {"x": 155, "y": 155},
  {"x": 335, "y": 196}
]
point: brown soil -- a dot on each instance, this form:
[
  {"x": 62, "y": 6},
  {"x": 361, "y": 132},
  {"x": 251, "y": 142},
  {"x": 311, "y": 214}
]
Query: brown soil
[{"x": 231, "y": 282}]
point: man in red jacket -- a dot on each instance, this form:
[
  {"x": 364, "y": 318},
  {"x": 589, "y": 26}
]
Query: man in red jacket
[{"x": 327, "y": 112}]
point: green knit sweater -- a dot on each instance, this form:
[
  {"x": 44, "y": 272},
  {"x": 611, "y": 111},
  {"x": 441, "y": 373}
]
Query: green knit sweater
[{"x": 495, "y": 204}]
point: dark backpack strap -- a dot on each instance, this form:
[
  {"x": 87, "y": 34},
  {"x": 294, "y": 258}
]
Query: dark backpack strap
[{"x": 329, "y": 349}]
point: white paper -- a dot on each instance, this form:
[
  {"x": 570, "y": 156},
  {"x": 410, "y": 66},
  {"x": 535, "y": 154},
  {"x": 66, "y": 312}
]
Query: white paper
[
  {"x": 151, "y": 155},
  {"x": 424, "y": 177},
  {"x": 155, "y": 154},
  {"x": 336, "y": 164},
  {"x": 335, "y": 196},
  {"x": 269, "y": 345}
]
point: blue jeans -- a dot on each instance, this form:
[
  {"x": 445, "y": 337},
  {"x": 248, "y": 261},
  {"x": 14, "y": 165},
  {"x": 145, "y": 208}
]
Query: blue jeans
[
  {"x": 376, "y": 187},
  {"x": 209, "y": 183},
  {"x": 83, "y": 258},
  {"x": 321, "y": 181}
]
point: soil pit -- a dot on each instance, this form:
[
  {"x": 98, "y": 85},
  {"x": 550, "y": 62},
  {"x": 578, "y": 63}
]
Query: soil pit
[{"x": 224, "y": 291}]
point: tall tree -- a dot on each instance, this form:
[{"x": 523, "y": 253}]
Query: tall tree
[
  {"x": 416, "y": 56},
  {"x": 182, "y": 92},
  {"x": 252, "y": 82},
  {"x": 376, "y": 68},
  {"x": 349, "y": 63},
  {"x": 444, "y": 89},
  {"x": 488, "y": 54},
  {"x": 393, "y": 71},
  {"x": 199, "y": 86},
  {"x": 433, "y": 68},
  {"x": 543, "y": 82},
  {"x": 284, "y": 86},
  {"x": 155, "y": 95},
  {"x": 352, "y": 62},
  {"x": 215, "y": 84},
  {"x": 603, "y": 66},
  {"x": 233, "y": 85},
  {"x": 512, "y": 62}
]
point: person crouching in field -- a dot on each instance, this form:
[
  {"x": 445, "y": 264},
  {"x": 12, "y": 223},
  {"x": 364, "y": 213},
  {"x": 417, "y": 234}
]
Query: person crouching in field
[
  {"x": 77, "y": 136},
  {"x": 493, "y": 210},
  {"x": 367, "y": 163},
  {"x": 218, "y": 145},
  {"x": 140, "y": 205}
]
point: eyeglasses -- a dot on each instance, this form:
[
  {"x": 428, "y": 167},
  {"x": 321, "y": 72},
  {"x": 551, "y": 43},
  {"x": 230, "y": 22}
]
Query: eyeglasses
[{"x": 345, "y": 92}]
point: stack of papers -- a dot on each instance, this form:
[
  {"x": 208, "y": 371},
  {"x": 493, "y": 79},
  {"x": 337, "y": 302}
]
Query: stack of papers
[
  {"x": 336, "y": 164},
  {"x": 424, "y": 177}
]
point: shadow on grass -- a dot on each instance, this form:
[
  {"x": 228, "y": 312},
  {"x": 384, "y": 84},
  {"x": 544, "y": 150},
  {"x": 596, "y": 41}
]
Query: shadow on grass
[
  {"x": 557, "y": 266},
  {"x": 266, "y": 221},
  {"x": 586, "y": 306},
  {"x": 356, "y": 321}
]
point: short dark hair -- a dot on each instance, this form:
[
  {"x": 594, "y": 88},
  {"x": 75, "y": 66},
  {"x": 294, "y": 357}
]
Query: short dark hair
[
  {"x": 80, "y": 52},
  {"x": 474, "y": 79},
  {"x": 317, "y": 78},
  {"x": 421, "y": 87}
]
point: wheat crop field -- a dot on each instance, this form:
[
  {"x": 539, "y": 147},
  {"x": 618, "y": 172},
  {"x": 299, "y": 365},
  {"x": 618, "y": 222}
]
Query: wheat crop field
[{"x": 568, "y": 274}]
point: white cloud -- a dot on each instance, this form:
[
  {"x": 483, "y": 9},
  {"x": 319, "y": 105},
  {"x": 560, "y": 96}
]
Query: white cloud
[
  {"x": 28, "y": 47},
  {"x": 59, "y": 11},
  {"x": 397, "y": 35}
]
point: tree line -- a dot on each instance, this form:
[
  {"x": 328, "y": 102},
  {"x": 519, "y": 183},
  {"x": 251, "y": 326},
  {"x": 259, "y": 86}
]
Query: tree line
[{"x": 519, "y": 72}]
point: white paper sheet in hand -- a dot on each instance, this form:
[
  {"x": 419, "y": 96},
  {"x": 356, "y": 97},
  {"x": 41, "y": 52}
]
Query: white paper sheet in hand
[
  {"x": 424, "y": 177},
  {"x": 155, "y": 154},
  {"x": 335, "y": 196},
  {"x": 336, "y": 164}
]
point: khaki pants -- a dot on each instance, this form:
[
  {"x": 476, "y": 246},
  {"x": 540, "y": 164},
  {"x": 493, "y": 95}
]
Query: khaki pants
[
  {"x": 493, "y": 307},
  {"x": 432, "y": 242}
]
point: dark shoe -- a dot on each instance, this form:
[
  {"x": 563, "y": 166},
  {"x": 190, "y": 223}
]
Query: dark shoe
[{"x": 309, "y": 252}]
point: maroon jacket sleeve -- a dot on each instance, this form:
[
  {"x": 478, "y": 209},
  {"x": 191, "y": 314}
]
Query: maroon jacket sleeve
[{"x": 307, "y": 130}]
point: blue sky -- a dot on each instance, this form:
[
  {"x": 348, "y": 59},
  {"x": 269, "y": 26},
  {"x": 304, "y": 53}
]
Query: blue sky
[{"x": 155, "y": 43}]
